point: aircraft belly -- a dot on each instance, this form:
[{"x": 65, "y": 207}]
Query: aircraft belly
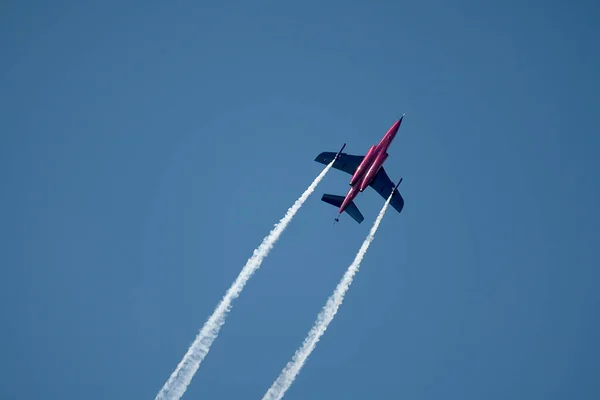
[
  {"x": 363, "y": 167},
  {"x": 372, "y": 173}
]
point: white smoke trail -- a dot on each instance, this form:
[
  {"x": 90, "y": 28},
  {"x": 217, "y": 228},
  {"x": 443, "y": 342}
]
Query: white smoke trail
[
  {"x": 179, "y": 380},
  {"x": 291, "y": 370}
]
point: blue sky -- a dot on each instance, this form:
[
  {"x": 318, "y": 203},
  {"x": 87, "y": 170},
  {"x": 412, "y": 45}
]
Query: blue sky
[{"x": 146, "y": 148}]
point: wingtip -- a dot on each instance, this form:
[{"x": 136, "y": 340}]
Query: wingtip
[{"x": 399, "y": 182}]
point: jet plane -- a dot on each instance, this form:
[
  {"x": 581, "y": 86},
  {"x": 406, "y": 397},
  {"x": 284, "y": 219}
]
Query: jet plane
[{"x": 366, "y": 171}]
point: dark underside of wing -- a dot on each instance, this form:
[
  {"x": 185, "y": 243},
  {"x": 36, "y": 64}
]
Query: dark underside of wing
[
  {"x": 346, "y": 162},
  {"x": 384, "y": 186}
]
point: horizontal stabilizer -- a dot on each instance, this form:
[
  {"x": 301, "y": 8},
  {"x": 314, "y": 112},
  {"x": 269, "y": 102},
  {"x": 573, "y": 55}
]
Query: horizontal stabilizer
[
  {"x": 333, "y": 199},
  {"x": 351, "y": 209}
]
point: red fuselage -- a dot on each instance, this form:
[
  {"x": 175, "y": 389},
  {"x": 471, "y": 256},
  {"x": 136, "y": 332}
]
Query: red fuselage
[{"x": 370, "y": 165}]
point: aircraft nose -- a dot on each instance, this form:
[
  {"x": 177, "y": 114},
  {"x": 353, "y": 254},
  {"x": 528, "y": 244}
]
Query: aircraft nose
[{"x": 397, "y": 124}]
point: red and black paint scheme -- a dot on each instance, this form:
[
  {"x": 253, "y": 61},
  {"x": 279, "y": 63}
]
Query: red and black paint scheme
[{"x": 366, "y": 171}]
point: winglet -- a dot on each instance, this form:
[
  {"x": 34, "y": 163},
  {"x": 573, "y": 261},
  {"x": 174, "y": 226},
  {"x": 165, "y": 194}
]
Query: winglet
[
  {"x": 339, "y": 152},
  {"x": 399, "y": 182}
]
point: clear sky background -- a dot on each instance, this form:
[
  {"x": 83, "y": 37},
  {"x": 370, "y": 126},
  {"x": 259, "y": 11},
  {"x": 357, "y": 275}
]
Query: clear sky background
[{"x": 146, "y": 148}]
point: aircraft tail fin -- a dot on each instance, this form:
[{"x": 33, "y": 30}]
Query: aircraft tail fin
[{"x": 351, "y": 209}]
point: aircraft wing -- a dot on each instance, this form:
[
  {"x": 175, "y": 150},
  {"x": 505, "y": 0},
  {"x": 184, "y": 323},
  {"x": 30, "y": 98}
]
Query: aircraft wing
[
  {"x": 384, "y": 186},
  {"x": 346, "y": 162}
]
